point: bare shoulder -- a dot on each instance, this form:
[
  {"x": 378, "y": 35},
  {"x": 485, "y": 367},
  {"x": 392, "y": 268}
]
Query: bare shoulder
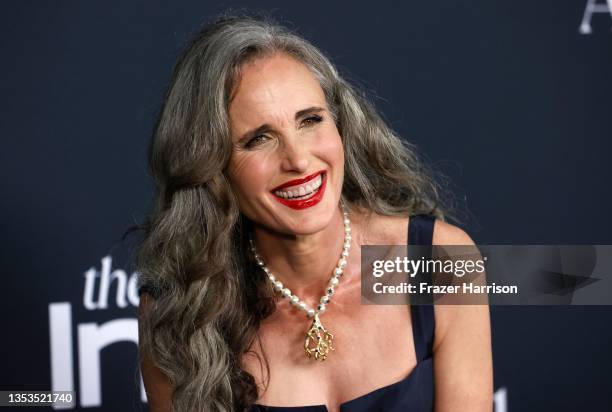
[
  {"x": 448, "y": 234},
  {"x": 462, "y": 343},
  {"x": 383, "y": 229}
]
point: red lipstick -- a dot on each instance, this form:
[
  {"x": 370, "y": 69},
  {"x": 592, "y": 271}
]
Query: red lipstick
[
  {"x": 299, "y": 204},
  {"x": 296, "y": 182}
]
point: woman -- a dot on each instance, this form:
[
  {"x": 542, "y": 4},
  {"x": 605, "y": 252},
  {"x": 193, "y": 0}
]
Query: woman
[{"x": 272, "y": 171}]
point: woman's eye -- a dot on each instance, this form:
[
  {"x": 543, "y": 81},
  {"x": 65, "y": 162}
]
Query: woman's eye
[
  {"x": 309, "y": 121},
  {"x": 259, "y": 139},
  {"x": 256, "y": 141}
]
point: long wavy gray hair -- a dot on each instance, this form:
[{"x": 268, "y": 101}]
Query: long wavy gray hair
[{"x": 211, "y": 297}]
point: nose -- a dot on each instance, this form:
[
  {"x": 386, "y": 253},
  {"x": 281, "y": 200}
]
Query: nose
[{"x": 294, "y": 156}]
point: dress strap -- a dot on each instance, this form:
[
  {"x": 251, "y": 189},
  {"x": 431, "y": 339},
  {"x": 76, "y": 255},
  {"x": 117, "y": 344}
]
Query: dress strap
[{"x": 420, "y": 232}]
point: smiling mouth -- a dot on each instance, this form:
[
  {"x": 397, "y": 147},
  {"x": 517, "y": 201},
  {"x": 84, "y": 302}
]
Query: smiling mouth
[{"x": 303, "y": 191}]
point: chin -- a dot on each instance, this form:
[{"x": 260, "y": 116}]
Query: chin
[{"x": 308, "y": 222}]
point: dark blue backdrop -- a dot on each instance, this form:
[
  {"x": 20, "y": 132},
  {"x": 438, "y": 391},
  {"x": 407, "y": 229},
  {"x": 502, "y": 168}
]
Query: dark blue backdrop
[{"x": 509, "y": 99}]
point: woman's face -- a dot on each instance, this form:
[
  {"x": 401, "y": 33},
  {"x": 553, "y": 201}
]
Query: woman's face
[{"x": 287, "y": 162}]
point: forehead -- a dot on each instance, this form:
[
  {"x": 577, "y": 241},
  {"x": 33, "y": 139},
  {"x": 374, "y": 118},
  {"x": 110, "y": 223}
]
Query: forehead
[{"x": 276, "y": 85}]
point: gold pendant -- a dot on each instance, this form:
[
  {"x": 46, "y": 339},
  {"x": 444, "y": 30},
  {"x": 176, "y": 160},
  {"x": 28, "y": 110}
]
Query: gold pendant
[{"x": 318, "y": 341}]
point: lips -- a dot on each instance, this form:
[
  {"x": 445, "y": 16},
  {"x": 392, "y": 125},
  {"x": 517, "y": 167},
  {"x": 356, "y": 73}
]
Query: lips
[
  {"x": 296, "y": 182},
  {"x": 302, "y": 193}
]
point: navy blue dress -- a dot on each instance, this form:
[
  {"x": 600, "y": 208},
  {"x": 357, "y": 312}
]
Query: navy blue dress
[{"x": 416, "y": 391}]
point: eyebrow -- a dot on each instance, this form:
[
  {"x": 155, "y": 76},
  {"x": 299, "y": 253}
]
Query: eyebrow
[{"x": 266, "y": 127}]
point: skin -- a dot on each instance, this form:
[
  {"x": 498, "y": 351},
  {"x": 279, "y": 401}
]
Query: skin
[
  {"x": 302, "y": 247},
  {"x": 297, "y": 243}
]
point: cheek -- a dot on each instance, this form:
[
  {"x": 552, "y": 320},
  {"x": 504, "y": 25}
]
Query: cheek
[
  {"x": 249, "y": 173},
  {"x": 329, "y": 146}
]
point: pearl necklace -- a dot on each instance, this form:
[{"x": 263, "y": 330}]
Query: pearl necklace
[{"x": 318, "y": 341}]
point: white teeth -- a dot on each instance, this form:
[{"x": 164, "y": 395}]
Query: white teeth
[{"x": 300, "y": 191}]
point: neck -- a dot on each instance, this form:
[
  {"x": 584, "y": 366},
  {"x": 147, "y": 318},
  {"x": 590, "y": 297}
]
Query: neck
[{"x": 304, "y": 263}]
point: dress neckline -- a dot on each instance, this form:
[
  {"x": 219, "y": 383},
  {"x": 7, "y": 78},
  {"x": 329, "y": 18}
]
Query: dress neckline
[
  {"x": 420, "y": 232},
  {"x": 385, "y": 388}
]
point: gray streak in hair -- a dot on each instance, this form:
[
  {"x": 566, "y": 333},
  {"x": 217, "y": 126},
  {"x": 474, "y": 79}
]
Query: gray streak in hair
[{"x": 213, "y": 297}]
